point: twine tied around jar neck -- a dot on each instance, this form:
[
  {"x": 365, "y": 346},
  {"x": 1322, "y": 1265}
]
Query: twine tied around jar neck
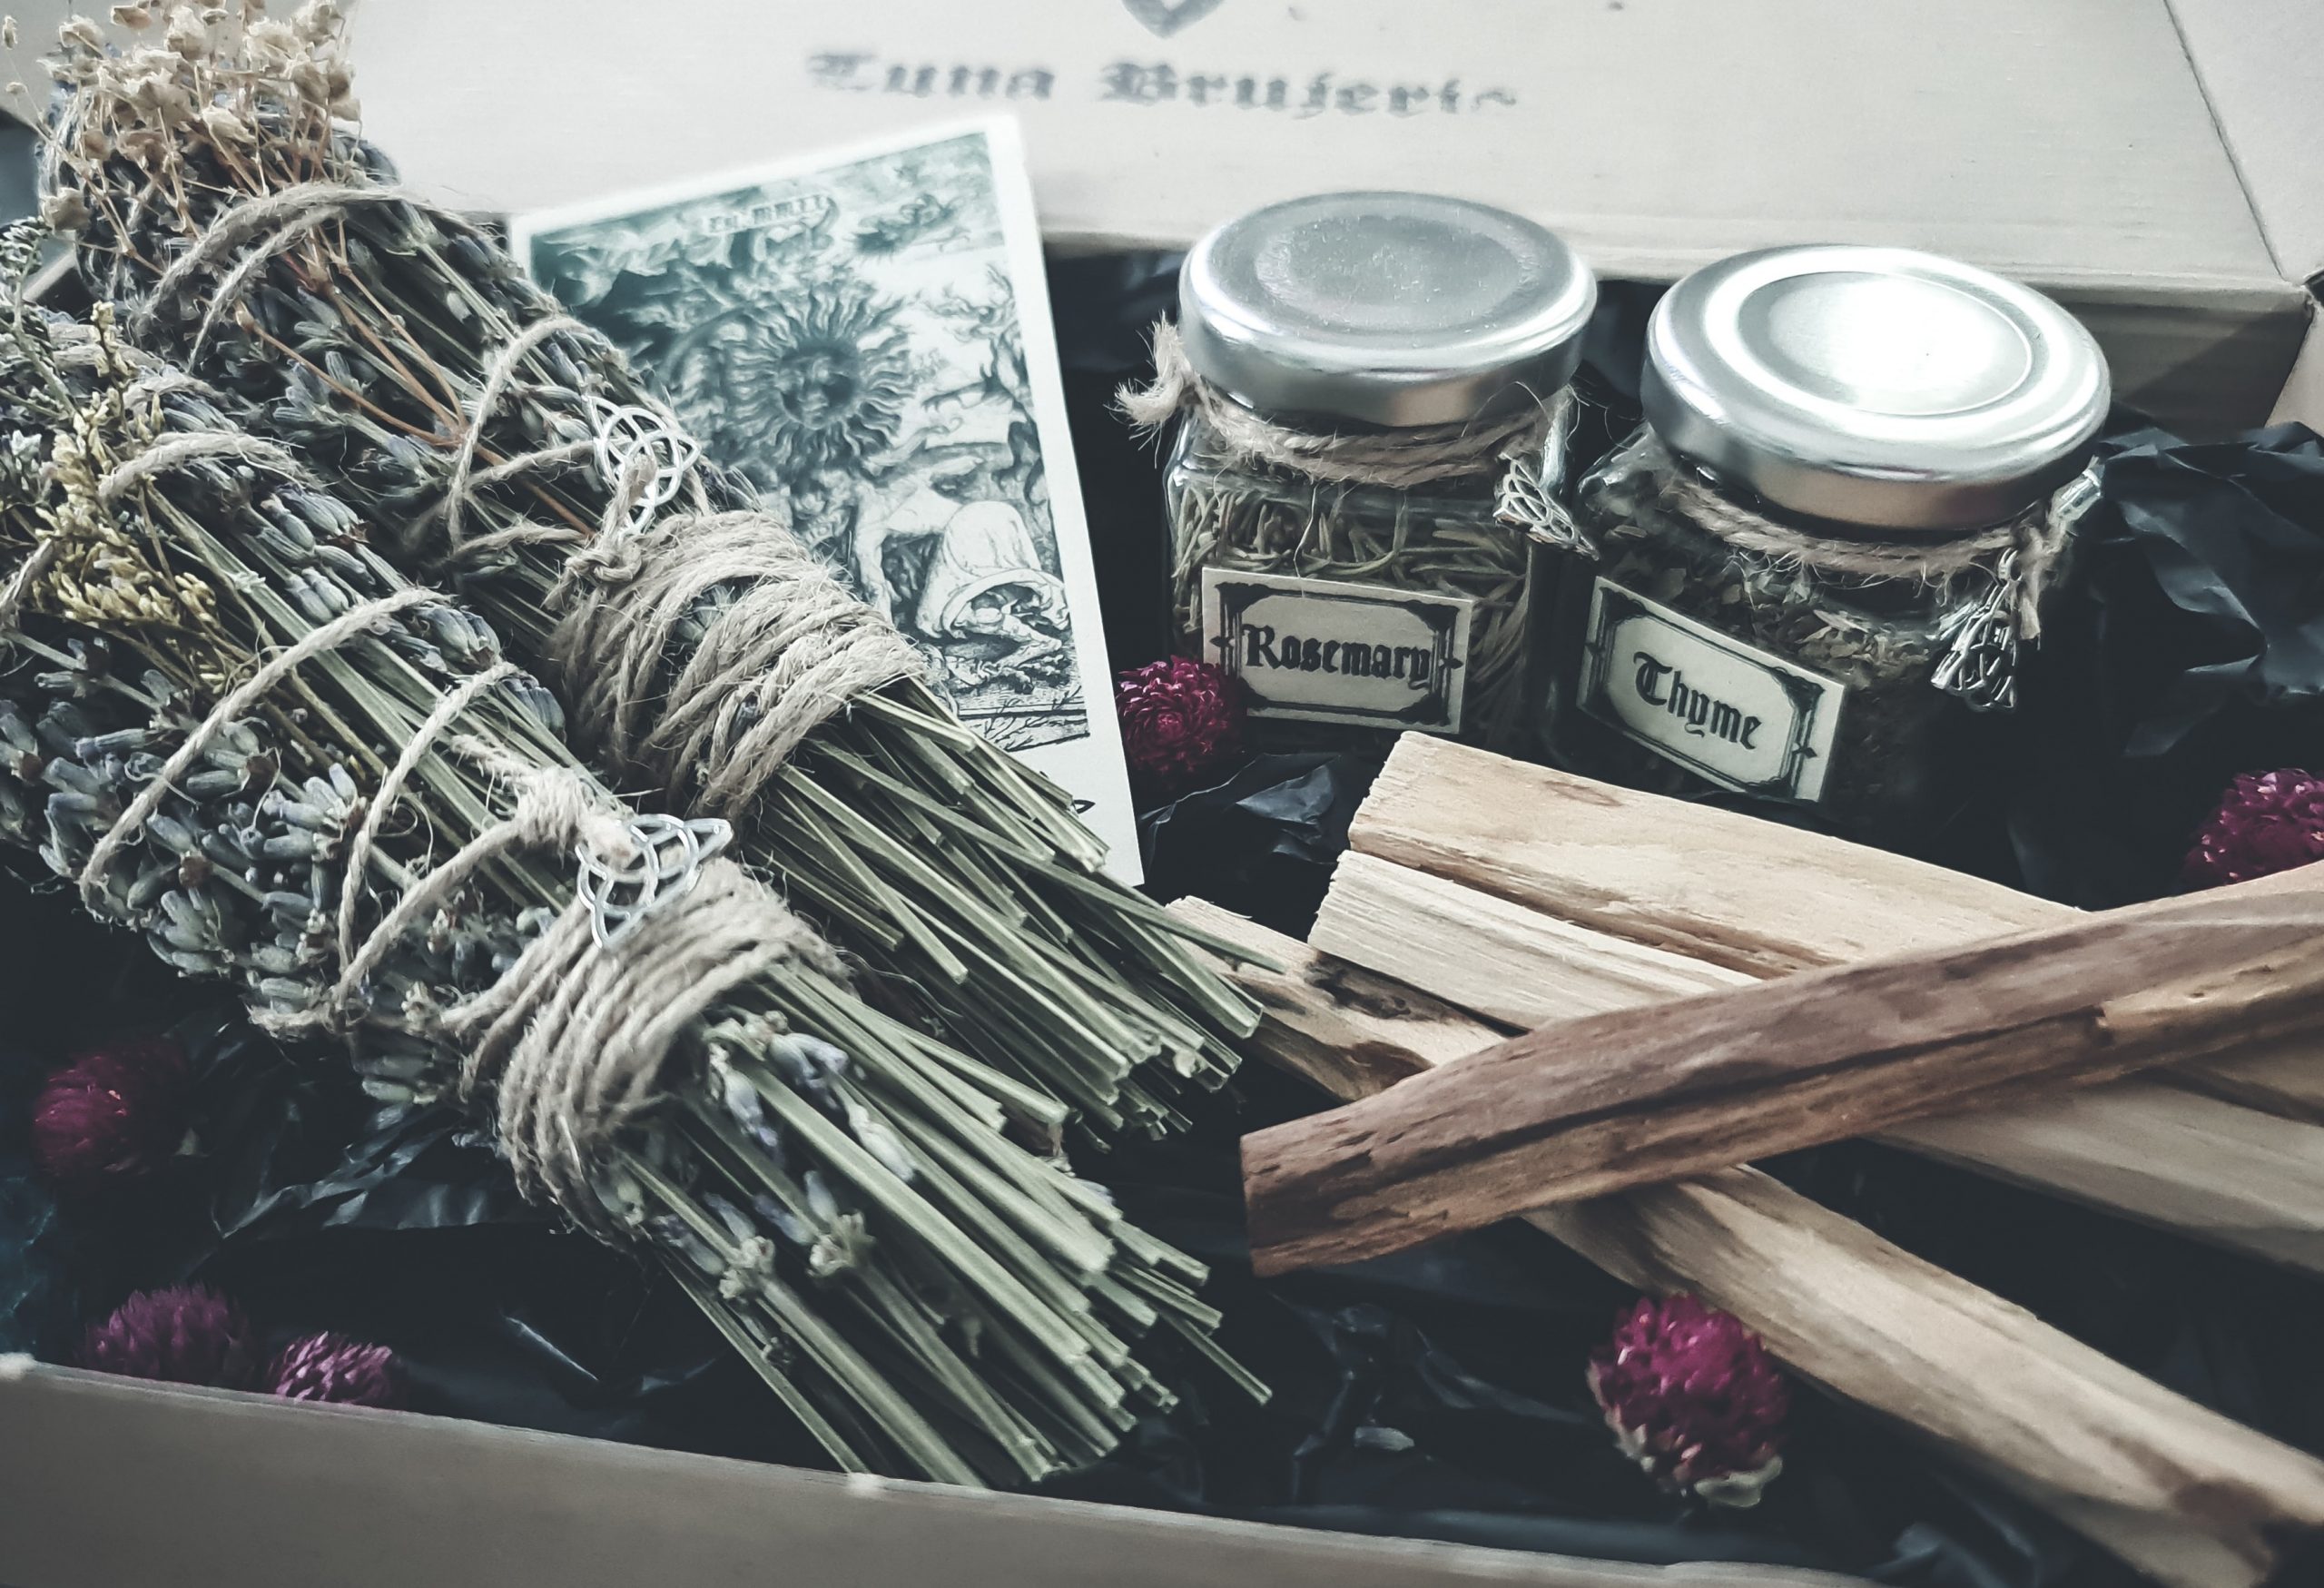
[
  {"x": 2017, "y": 557},
  {"x": 1526, "y": 445}
]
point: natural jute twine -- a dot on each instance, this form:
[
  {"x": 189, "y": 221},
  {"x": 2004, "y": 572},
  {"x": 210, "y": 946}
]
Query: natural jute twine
[
  {"x": 572, "y": 1038},
  {"x": 788, "y": 650},
  {"x": 2039, "y": 535},
  {"x": 1399, "y": 458}
]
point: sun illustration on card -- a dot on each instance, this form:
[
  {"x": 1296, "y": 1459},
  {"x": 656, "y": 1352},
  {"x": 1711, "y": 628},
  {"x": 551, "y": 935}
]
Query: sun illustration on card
[{"x": 819, "y": 385}]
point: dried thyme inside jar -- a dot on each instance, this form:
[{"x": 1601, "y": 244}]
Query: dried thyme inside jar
[
  {"x": 1368, "y": 387},
  {"x": 1809, "y": 574}
]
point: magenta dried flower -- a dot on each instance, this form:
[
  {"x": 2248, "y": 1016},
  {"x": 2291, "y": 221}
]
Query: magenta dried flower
[
  {"x": 2267, "y": 822},
  {"x": 332, "y": 1368},
  {"x": 1179, "y": 719},
  {"x": 187, "y": 1334},
  {"x": 1694, "y": 1398},
  {"x": 112, "y": 1113}
]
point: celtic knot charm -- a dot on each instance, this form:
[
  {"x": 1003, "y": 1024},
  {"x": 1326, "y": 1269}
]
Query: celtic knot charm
[
  {"x": 1980, "y": 665},
  {"x": 624, "y": 431},
  {"x": 1526, "y": 496},
  {"x": 669, "y": 856}
]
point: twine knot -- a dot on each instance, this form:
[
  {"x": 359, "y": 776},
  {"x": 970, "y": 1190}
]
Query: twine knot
[{"x": 1397, "y": 459}]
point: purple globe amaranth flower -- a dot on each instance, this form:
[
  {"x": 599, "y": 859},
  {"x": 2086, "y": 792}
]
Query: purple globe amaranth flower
[
  {"x": 332, "y": 1368},
  {"x": 2267, "y": 822},
  {"x": 1694, "y": 1398},
  {"x": 1179, "y": 719},
  {"x": 112, "y": 1113},
  {"x": 187, "y": 1334}
]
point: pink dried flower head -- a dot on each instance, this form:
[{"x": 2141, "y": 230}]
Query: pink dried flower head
[
  {"x": 188, "y": 1334},
  {"x": 1179, "y": 719},
  {"x": 332, "y": 1368},
  {"x": 112, "y": 1113},
  {"x": 1694, "y": 1398},
  {"x": 2268, "y": 822}
]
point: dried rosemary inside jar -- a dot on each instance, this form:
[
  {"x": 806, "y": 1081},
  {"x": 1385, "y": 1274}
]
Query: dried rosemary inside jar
[
  {"x": 1807, "y": 577},
  {"x": 1367, "y": 386}
]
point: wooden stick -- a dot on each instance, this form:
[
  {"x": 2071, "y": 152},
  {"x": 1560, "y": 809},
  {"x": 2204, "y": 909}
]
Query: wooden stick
[
  {"x": 1737, "y": 890},
  {"x": 2147, "y": 1150},
  {"x": 1637, "y": 1097},
  {"x": 2115, "y": 1455},
  {"x": 1718, "y": 886},
  {"x": 1503, "y": 960},
  {"x": 2284, "y": 1077}
]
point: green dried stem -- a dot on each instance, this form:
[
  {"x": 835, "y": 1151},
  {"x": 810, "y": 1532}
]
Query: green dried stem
[
  {"x": 832, "y": 1186},
  {"x": 965, "y": 884}
]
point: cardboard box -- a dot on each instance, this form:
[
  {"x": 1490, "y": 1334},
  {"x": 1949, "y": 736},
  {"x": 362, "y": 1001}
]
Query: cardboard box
[
  {"x": 2152, "y": 162},
  {"x": 111, "y": 1483},
  {"x": 2149, "y": 162}
]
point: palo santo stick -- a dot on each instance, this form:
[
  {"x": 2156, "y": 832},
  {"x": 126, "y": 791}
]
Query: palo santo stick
[
  {"x": 2235, "y": 1177},
  {"x": 1721, "y": 887},
  {"x": 1637, "y": 1097},
  {"x": 1501, "y": 960},
  {"x": 1711, "y": 884},
  {"x": 2137, "y": 1468}
]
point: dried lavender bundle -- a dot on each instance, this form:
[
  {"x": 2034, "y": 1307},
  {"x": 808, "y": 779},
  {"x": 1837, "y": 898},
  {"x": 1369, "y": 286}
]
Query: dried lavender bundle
[
  {"x": 221, "y": 195},
  {"x": 243, "y": 734}
]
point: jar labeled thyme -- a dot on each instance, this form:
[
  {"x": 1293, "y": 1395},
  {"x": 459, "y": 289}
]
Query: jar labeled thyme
[
  {"x": 1810, "y": 572},
  {"x": 1371, "y": 396}
]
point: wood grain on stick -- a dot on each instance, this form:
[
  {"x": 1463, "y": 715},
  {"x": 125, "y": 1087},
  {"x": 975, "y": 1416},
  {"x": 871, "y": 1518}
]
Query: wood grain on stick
[
  {"x": 1721, "y": 886},
  {"x": 1641, "y": 1096},
  {"x": 2188, "y": 1496},
  {"x": 2148, "y": 1149},
  {"x": 1712, "y": 884}
]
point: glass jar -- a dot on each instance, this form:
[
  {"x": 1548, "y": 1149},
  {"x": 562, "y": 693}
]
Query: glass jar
[
  {"x": 1369, "y": 387},
  {"x": 1807, "y": 577}
]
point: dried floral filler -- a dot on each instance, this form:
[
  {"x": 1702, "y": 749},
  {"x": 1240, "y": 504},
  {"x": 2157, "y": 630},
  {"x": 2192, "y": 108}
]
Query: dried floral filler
[
  {"x": 223, "y": 202},
  {"x": 238, "y": 731}
]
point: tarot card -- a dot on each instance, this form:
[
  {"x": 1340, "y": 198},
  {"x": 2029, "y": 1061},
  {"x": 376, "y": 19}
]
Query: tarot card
[{"x": 866, "y": 336}]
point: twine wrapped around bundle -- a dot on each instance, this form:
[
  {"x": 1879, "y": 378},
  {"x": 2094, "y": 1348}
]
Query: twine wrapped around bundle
[
  {"x": 247, "y": 738},
  {"x": 789, "y": 650},
  {"x": 701, "y": 651},
  {"x": 575, "y": 1034}
]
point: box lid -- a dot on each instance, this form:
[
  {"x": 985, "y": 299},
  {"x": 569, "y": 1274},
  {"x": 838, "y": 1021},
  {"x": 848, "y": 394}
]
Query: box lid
[
  {"x": 2261, "y": 66},
  {"x": 2069, "y": 144},
  {"x": 245, "y": 1491}
]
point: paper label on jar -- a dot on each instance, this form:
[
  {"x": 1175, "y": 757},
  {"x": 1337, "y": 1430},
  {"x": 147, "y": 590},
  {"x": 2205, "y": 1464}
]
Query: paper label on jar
[
  {"x": 1730, "y": 713},
  {"x": 1324, "y": 651}
]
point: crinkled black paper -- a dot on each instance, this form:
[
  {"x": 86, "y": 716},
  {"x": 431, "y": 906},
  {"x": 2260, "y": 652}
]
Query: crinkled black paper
[
  {"x": 2188, "y": 647},
  {"x": 1260, "y": 841}
]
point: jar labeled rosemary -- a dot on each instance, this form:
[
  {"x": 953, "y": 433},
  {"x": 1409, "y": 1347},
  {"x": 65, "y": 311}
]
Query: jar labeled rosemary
[
  {"x": 1371, "y": 396},
  {"x": 1812, "y": 569}
]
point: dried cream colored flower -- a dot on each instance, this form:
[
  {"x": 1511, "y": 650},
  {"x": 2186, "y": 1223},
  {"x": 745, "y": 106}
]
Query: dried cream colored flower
[
  {"x": 318, "y": 20},
  {"x": 187, "y": 34},
  {"x": 225, "y": 127},
  {"x": 133, "y": 17},
  {"x": 80, "y": 30},
  {"x": 7, "y": 33},
  {"x": 64, "y": 210},
  {"x": 269, "y": 41}
]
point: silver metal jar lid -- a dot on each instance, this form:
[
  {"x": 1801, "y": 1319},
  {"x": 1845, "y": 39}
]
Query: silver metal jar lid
[
  {"x": 1387, "y": 309},
  {"x": 1873, "y": 386}
]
